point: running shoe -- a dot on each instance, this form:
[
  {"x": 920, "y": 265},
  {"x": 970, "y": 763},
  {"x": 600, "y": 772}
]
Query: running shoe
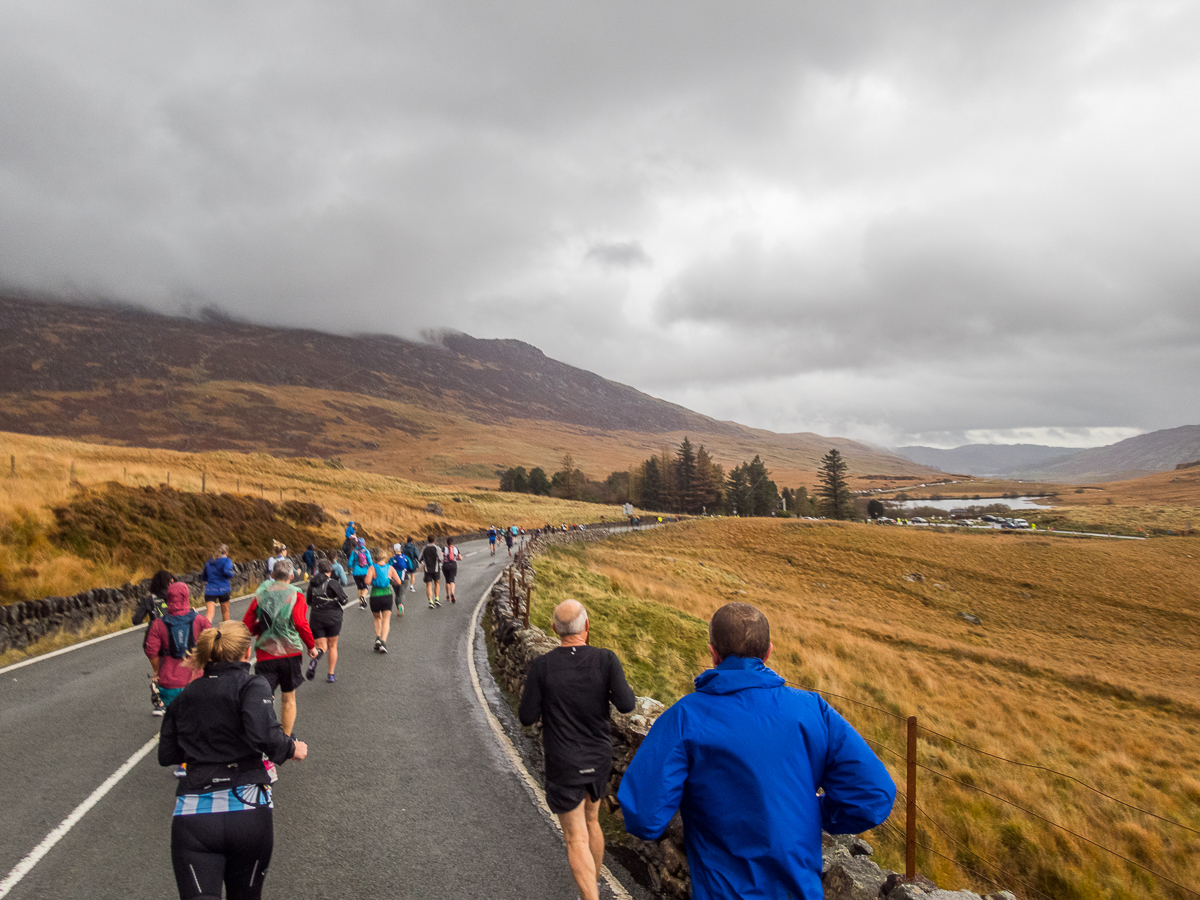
[
  {"x": 158, "y": 711},
  {"x": 401, "y": 605},
  {"x": 311, "y": 672},
  {"x": 181, "y": 771},
  {"x": 451, "y": 598},
  {"x": 330, "y": 678},
  {"x": 378, "y": 642},
  {"x": 413, "y": 588},
  {"x": 437, "y": 601},
  {"x": 362, "y": 604},
  {"x": 382, "y": 647},
  {"x": 431, "y": 604}
]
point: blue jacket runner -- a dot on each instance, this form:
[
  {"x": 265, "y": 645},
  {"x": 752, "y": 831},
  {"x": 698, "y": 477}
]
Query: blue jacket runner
[
  {"x": 218, "y": 572},
  {"x": 742, "y": 759}
]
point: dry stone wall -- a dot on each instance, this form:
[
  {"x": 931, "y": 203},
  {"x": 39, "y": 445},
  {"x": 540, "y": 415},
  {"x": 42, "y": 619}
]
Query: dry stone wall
[
  {"x": 23, "y": 623},
  {"x": 848, "y": 873}
]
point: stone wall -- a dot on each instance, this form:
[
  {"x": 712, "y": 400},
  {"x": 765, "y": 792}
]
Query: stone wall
[
  {"x": 848, "y": 872},
  {"x": 23, "y": 623}
]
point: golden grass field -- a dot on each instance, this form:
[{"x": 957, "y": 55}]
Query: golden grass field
[
  {"x": 1085, "y": 663},
  {"x": 383, "y": 503}
]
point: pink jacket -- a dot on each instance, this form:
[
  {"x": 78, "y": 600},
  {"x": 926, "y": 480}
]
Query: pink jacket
[{"x": 172, "y": 673}]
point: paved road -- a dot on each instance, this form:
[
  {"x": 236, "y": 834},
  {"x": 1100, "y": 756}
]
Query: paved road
[{"x": 405, "y": 793}]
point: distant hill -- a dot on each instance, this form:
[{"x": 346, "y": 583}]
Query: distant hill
[
  {"x": 455, "y": 409},
  {"x": 986, "y": 459},
  {"x": 1145, "y": 454}
]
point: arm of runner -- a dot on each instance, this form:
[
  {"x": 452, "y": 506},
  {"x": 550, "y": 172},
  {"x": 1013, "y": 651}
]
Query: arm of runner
[
  {"x": 300, "y": 620},
  {"x": 169, "y": 751},
  {"x": 652, "y": 786},
  {"x": 262, "y": 729},
  {"x": 250, "y": 619},
  {"x": 619, "y": 690},
  {"x": 531, "y": 700}
]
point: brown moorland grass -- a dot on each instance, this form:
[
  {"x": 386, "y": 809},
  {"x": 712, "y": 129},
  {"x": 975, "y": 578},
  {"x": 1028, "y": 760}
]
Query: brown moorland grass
[
  {"x": 33, "y": 564},
  {"x": 1085, "y": 664}
]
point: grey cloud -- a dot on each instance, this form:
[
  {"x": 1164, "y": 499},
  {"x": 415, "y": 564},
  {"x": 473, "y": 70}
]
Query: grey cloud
[
  {"x": 934, "y": 217},
  {"x": 619, "y": 255}
]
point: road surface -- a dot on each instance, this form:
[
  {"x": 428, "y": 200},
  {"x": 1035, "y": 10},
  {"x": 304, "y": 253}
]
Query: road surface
[{"x": 406, "y": 791}]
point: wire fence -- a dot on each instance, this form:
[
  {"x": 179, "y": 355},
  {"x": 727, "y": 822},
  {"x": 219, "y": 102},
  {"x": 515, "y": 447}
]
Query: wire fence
[{"x": 965, "y": 858}]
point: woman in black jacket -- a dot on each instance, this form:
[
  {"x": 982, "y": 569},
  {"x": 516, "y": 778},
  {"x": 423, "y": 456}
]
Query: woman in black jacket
[{"x": 223, "y": 727}]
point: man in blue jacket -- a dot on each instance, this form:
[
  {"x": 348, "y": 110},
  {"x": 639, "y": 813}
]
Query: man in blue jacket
[{"x": 742, "y": 759}]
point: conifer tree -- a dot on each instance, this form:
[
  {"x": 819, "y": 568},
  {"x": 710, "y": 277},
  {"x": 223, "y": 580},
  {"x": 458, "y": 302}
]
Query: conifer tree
[
  {"x": 835, "y": 492},
  {"x": 685, "y": 478}
]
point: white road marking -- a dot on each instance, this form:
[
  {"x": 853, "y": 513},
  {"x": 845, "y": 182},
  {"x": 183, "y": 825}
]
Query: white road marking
[
  {"x": 506, "y": 745},
  {"x": 88, "y": 643},
  {"x": 24, "y": 866}
]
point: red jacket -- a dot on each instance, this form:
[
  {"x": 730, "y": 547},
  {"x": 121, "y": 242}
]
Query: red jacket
[{"x": 299, "y": 619}]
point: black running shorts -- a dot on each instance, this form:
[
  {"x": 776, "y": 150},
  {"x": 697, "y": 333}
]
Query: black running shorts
[
  {"x": 282, "y": 673},
  {"x": 361, "y": 581},
  {"x": 381, "y": 602},
  {"x": 325, "y": 624},
  {"x": 450, "y": 570},
  {"x": 216, "y": 598},
  {"x": 431, "y": 576},
  {"x": 562, "y": 798}
]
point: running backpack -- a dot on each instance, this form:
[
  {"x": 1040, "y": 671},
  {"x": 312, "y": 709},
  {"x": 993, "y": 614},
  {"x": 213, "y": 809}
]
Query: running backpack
[
  {"x": 360, "y": 559},
  {"x": 180, "y": 636}
]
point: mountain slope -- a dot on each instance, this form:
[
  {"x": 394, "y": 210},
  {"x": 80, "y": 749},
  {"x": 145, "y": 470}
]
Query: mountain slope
[
  {"x": 452, "y": 410},
  {"x": 1158, "y": 451}
]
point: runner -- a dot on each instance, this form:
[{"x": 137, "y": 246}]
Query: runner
[
  {"x": 380, "y": 578},
  {"x": 508, "y": 538},
  {"x": 351, "y": 540},
  {"x": 431, "y": 558},
  {"x": 168, "y": 643},
  {"x": 216, "y": 575},
  {"x": 278, "y": 618},
  {"x": 492, "y": 539},
  {"x": 310, "y": 559},
  {"x": 154, "y": 605},
  {"x": 450, "y": 567},
  {"x": 222, "y": 830},
  {"x": 325, "y": 601},
  {"x": 414, "y": 556},
  {"x": 339, "y": 571},
  {"x": 404, "y": 568},
  {"x": 360, "y": 564}
]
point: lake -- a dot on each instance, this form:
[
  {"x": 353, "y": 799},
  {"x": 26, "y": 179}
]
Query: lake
[{"x": 947, "y": 505}]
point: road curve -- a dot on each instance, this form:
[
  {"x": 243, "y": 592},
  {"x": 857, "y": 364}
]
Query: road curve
[{"x": 405, "y": 793}]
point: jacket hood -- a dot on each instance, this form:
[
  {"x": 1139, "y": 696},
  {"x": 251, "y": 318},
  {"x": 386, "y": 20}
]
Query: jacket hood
[
  {"x": 179, "y": 599},
  {"x": 737, "y": 673}
]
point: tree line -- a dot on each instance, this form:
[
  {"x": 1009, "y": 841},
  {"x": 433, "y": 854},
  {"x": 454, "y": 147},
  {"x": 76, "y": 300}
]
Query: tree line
[{"x": 689, "y": 481}]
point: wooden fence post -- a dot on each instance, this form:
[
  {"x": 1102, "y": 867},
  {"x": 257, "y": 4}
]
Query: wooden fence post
[
  {"x": 203, "y": 482},
  {"x": 528, "y": 602},
  {"x": 910, "y": 825}
]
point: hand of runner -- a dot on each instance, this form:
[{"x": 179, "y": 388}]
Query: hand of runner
[
  {"x": 301, "y": 750},
  {"x": 314, "y": 652}
]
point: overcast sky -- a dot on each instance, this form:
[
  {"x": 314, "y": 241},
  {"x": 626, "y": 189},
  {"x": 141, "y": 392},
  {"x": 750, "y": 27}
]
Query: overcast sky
[{"x": 920, "y": 222}]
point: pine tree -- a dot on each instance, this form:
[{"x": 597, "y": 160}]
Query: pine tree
[
  {"x": 710, "y": 478},
  {"x": 764, "y": 496},
  {"x": 737, "y": 492},
  {"x": 685, "y": 477},
  {"x": 651, "y": 485},
  {"x": 835, "y": 492}
]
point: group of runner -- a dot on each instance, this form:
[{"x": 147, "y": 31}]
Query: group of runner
[
  {"x": 510, "y": 533},
  {"x": 220, "y": 731}
]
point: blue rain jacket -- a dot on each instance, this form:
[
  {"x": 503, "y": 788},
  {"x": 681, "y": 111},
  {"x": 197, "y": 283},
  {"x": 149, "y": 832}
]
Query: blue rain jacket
[{"x": 742, "y": 759}]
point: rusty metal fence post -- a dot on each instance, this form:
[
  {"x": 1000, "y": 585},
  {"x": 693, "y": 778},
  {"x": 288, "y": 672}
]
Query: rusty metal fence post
[{"x": 910, "y": 825}]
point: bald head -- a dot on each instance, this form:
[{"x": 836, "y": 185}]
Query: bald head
[{"x": 570, "y": 618}]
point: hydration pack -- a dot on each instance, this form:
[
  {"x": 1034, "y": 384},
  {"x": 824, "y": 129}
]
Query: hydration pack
[
  {"x": 360, "y": 559},
  {"x": 180, "y": 635}
]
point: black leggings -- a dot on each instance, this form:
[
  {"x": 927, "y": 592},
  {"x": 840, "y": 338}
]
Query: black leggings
[{"x": 230, "y": 847}]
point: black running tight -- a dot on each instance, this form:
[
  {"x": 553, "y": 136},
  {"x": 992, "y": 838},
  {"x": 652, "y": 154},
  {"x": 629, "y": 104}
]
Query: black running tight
[{"x": 230, "y": 847}]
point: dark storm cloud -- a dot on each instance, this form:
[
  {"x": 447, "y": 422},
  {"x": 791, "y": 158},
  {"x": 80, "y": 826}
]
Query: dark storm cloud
[{"x": 869, "y": 219}]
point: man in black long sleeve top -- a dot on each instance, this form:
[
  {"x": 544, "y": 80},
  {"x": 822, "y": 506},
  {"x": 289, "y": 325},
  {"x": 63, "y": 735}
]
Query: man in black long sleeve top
[{"x": 569, "y": 689}]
